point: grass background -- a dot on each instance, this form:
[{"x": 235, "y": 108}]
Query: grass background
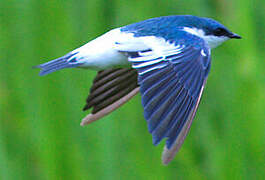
[{"x": 40, "y": 136}]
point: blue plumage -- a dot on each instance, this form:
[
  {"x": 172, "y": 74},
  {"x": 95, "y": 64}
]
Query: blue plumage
[
  {"x": 171, "y": 88},
  {"x": 168, "y": 26}
]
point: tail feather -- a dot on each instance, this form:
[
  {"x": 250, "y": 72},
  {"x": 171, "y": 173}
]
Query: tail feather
[{"x": 66, "y": 61}]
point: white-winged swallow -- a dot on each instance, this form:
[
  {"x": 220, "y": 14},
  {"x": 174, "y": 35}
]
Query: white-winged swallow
[{"x": 167, "y": 59}]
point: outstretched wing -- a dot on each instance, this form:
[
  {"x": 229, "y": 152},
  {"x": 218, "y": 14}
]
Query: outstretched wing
[
  {"x": 111, "y": 88},
  {"x": 171, "y": 77}
]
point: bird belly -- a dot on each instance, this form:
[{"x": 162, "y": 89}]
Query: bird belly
[{"x": 100, "y": 53}]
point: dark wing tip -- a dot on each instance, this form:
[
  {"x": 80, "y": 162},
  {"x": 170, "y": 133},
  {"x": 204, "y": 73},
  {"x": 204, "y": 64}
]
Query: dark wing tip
[
  {"x": 86, "y": 107},
  {"x": 109, "y": 86}
]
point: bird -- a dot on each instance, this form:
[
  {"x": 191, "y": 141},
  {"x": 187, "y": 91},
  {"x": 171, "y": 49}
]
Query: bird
[{"x": 167, "y": 59}]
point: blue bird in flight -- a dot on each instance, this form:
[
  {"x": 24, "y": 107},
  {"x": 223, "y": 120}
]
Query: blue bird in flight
[{"x": 167, "y": 59}]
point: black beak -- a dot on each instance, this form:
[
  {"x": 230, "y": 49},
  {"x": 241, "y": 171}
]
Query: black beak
[{"x": 235, "y": 36}]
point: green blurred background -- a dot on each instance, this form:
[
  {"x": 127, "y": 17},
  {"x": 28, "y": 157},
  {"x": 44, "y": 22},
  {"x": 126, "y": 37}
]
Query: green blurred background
[{"x": 40, "y": 136}]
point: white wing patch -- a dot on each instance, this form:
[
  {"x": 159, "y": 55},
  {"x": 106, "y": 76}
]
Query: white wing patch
[
  {"x": 203, "y": 53},
  {"x": 159, "y": 50},
  {"x": 126, "y": 42}
]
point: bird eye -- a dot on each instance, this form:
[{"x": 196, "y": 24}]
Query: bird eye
[{"x": 220, "y": 32}]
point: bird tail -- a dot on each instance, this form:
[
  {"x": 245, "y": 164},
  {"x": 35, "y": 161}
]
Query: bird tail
[{"x": 67, "y": 61}]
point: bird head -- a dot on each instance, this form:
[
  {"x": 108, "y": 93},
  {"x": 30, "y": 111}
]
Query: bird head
[{"x": 213, "y": 32}]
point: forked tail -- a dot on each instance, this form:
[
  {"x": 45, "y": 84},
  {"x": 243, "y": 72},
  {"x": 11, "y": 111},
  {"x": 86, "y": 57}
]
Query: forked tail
[{"x": 67, "y": 61}]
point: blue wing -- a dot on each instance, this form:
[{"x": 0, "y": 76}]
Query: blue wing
[{"x": 171, "y": 80}]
